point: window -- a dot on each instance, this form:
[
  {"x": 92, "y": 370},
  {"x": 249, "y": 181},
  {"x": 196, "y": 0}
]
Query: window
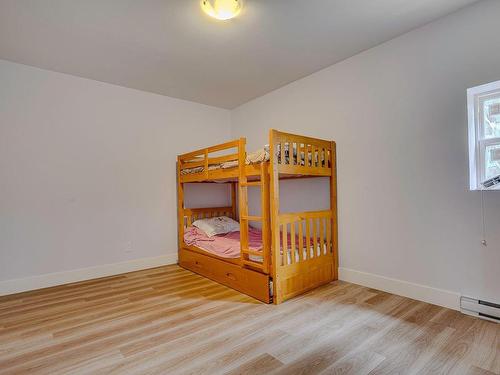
[{"x": 484, "y": 133}]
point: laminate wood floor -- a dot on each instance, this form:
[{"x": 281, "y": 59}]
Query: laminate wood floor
[{"x": 170, "y": 321}]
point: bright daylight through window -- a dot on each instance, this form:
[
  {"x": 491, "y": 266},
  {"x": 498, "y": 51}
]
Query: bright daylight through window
[{"x": 484, "y": 136}]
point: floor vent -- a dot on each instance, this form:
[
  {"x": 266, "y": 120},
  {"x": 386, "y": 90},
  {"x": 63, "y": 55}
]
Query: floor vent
[{"x": 481, "y": 309}]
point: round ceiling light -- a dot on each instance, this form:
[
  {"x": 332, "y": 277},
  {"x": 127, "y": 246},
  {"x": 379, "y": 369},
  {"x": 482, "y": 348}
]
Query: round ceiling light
[{"x": 222, "y": 9}]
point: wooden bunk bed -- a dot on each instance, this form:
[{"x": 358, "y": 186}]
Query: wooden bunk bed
[{"x": 299, "y": 250}]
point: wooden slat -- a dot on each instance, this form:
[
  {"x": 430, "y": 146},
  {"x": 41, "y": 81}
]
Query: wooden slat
[
  {"x": 251, "y": 218},
  {"x": 292, "y": 242},
  {"x": 193, "y": 155},
  {"x": 294, "y": 216},
  {"x": 308, "y": 238},
  {"x": 192, "y": 211},
  {"x": 225, "y": 146},
  {"x": 309, "y": 171},
  {"x": 288, "y": 137},
  {"x": 315, "y": 236},
  {"x": 328, "y": 235},
  {"x": 274, "y": 199},
  {"x": 233, "y": 200},
  {"x": 194, "y": 159},
  {"x": 180, "y": 206},
  {"x": 222, "y": 159},
  {"x": 193, "y": 164},
  {"x": 202, "y": 151},
  {"x": 252, "y": 264},
  {"x": 243, "y": 207},
  {"x": 206, "y": 164},
  {"x": 285, "y": 244},
  {"x": 266, "y": 225},
  {"x": 298, "y": 150},
  {"x": 252, "y": 183},
  {"x": 252, "y": 252},
  {"x": 321, "y": 235},
  {"x": 301, "y": 241}
]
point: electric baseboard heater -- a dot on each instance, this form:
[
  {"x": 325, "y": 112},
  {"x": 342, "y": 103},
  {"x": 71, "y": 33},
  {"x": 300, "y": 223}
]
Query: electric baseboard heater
[{"x": 481, "y": 309}]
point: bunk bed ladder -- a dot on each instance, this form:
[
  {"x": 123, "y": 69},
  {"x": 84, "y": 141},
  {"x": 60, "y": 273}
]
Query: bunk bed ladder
[{"x": 245, "y": 218}]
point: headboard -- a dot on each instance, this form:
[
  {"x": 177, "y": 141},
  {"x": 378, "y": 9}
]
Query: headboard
[{"x": 193, "y": 214}]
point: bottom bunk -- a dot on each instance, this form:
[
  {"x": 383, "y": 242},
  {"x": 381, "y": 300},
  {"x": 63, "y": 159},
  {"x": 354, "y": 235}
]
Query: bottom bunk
[
  {"x": 305, "y": 259},
  {"x": 228, "y": 246}
]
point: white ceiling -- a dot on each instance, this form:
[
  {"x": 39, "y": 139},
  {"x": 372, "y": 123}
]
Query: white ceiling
[{"x": 170, "y": 47}]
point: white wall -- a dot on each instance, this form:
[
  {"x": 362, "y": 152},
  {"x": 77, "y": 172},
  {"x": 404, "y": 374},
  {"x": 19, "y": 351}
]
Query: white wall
[
  {"x": 398, "y": 114},
  {"x": 87, "y": 171}
]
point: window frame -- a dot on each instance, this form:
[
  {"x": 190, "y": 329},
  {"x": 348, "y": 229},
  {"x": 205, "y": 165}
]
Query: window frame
[{"x": 476, "y": 96}]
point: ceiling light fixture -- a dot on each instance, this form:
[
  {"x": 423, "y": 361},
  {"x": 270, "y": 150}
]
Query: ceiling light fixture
[{"x": 222, "y": 9}]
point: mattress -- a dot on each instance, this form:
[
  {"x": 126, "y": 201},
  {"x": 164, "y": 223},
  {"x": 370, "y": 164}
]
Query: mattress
[
  {"x": 228, "y": 245},
  {"x": 262, "y": 155}
]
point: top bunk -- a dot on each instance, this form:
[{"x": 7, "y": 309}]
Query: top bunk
[{"x": 290, "y": 155}]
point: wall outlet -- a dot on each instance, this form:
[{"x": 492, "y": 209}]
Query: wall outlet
[{"x": 128, "y": 247}]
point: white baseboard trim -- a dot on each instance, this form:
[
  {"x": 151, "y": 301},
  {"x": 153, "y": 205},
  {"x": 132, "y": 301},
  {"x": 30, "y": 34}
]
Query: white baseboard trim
[
  {"x": 81, "y": 274},
  {"x": 403, "y": 288}
]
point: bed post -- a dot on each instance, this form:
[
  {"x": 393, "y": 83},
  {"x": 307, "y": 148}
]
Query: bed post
[
  {"x": 333, "y": 207},
  {"x": 265, "y": 208},
  {"x": 180, "y": 205},
  {"x": 243, "y": 196},
  {"x": 274, "y": 208},
  {"x": 233, "y": 199}
]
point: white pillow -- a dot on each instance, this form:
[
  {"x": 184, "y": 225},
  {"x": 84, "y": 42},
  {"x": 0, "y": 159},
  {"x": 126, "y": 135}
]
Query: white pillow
[{"x": 217, "y": 225}]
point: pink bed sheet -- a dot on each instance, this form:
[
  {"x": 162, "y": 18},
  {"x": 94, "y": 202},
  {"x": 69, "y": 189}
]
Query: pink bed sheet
[
  {"x": 224, "y": 245},
  {"x": 228, "y": 245}
]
